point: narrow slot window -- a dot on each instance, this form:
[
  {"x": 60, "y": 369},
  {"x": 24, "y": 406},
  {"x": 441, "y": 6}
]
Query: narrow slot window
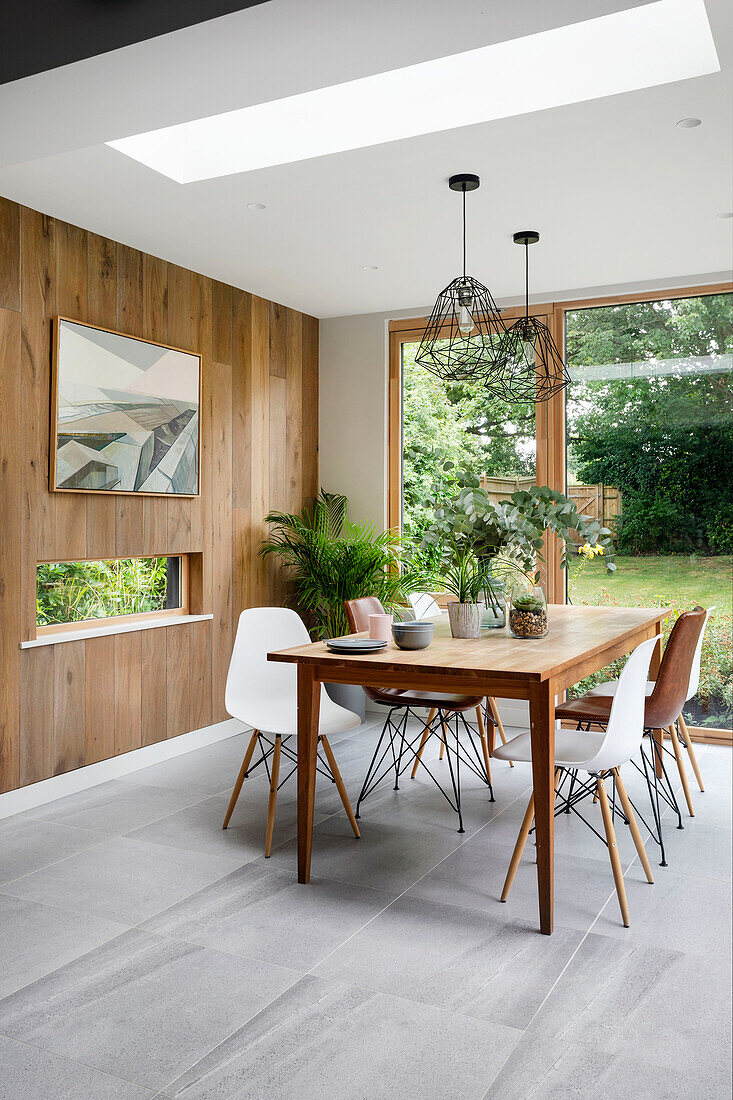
[{"x": 89, "y": 591}]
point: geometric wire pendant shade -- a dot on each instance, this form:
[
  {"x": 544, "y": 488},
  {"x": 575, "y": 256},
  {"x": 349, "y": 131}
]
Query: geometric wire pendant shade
[
  {"x": 533, "y": 367},
  {"x": 465, "y": 335}
]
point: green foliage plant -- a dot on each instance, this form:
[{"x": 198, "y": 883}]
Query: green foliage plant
[
  {"x": 508, "y": 537},
  {"x": 74, "y": 591},
  {"x": 465, "y": 577},
  {"x": 330, "y": 560}
]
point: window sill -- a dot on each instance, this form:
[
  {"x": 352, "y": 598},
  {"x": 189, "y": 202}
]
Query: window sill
[{"x": 78, "y": 632}]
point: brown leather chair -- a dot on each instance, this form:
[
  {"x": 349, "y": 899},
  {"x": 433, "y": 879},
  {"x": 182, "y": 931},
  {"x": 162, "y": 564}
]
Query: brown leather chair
[
  {"x": 442, "y": 709},
  {"x": 661, "y": 711}
]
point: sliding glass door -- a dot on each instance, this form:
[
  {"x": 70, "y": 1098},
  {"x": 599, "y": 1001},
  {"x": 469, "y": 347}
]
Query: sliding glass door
[{"x": 650, "y": 450}]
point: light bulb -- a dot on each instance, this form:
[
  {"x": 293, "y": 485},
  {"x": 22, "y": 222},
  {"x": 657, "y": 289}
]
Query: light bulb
[
  {"x": 465, "y": 321},
  {"x": 528, "y": 352}
]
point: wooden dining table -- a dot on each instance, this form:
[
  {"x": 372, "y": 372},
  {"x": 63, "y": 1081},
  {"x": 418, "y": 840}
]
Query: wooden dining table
[{"x": 580, "y": 640}]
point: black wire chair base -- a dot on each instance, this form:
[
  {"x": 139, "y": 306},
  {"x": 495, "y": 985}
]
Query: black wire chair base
[
  {"x": 567, "y": 800},
  {"x": 399, "y": 753},
  {"x": 267, "y": 747},
  {"x": 659, "y": 787}
]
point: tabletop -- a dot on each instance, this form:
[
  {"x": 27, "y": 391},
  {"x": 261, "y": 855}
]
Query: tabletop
[{"x": 575, "y": 633}]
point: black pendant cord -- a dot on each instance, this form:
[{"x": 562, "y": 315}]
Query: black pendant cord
[
  {"x": 526, "y": 280},
  {"x": 464, "y": 233}
]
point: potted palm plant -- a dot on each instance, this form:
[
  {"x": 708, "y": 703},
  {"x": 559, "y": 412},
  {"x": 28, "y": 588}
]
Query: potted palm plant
[{"x": 329, "y": 560}]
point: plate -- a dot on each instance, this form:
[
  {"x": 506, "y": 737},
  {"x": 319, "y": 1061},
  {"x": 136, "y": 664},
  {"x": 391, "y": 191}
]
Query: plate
[{"x": 355, "y": 645}]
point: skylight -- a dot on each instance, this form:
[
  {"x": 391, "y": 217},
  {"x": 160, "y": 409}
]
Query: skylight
[{"x": 639, "y": 48}]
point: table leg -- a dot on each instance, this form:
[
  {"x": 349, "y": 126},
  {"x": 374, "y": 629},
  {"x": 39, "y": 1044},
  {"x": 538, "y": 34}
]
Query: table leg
[
  {"x": 309, "y": 705},
  {"x": 542, "y": 732}
]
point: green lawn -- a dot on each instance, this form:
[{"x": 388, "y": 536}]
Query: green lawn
[{"x": 684, "y": 579}]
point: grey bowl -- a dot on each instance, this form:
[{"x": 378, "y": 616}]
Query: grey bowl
[{"x": 413, "y": 635}]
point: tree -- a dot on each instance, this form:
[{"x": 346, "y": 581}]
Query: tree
[
  {"x": 665, "y": 439},
  {"x": 453, "y": 433}
]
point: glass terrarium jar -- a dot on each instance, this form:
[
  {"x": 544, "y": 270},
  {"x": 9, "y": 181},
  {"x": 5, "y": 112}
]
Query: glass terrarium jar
[
  {"x": 493, "y": 611},
  {"x": 528, "y": 612}
]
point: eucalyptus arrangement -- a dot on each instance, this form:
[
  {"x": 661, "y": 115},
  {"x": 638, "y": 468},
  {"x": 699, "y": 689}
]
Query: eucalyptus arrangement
[{"x": 506, "y": 539}]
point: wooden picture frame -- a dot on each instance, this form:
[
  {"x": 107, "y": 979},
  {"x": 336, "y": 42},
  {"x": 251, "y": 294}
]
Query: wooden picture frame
[{"x": 115, "y": 445}]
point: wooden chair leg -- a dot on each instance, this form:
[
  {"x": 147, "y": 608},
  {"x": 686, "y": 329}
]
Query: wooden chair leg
[
  {"x": 618, "y": 876},
  {"x": 240, "y": 777},
  {"x": 484, "y": 742},
  {"x": 681, "y": 769},
  {"x": 518, "y": 848},
  {"x": 444, "y": 737},
  {"x": 636, "y": 835},
  {"x": 274, "y": 773},
  {"x": 493, "y": 707},
  {"x": 423, "y": 742},
  {"x": 340, "y": 785},
  {"x": 691, "y": 752}
]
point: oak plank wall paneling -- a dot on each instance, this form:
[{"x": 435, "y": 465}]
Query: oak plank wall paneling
[
  {"x": 69, "y": 706},
  {"x": 100, "y": 697},
  {"x": 9, "y": 255},
  {"x": 75, "y": 703},
  {"x": 10, "y": 550}
]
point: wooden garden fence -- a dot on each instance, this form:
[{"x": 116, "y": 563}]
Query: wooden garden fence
[{"x": 601, "y": 502}]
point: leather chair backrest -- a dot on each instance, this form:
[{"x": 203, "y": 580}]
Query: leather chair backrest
[
  {"x": 670, "y": 690},
  {"x": 358, "y": 612}
]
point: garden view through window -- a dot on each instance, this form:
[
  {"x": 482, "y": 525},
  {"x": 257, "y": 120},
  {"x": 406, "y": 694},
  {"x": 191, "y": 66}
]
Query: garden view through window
[
  {"x": 649, "y": 453},
  {"x": 452, "y": 432},
  {"x": 650, "y": 434},
  {"x": 77, "y": 591}
]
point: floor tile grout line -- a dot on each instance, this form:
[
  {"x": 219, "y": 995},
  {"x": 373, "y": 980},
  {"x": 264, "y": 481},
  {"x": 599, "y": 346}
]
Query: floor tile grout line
[
  {"x": 410, "y": 887},
  {"x": 587, "y": 933},
  {"x": 239, "y": 1027},
  {"x": 75, "y": 1062},
  {"x": 86, "y": 913}
]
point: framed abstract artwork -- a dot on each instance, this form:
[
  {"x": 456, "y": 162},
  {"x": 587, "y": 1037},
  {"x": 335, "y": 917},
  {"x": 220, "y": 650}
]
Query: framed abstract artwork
[{"x": 124, "y": 414}]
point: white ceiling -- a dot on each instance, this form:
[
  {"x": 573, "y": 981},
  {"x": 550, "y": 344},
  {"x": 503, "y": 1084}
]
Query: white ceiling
[{"x": 617, "y": 191}]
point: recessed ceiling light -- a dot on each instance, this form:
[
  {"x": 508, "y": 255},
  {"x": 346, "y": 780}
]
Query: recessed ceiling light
[
  {"x": 689, "y": 123},
  {"x": 370, "y": 267},
  {"x": 726, "y": 214},
  {"x": 640, "y": 47},
  {"x": 256, "y": 206}
]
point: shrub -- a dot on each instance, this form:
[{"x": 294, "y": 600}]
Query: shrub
[{"x": 720, "y": 531}]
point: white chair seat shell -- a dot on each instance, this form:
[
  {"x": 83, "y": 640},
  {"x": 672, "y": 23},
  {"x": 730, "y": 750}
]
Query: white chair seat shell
[
  {"x": 573, "y": 748},
  {"x": 610, "y": 687},
  {"x": 264, "y": 694}
]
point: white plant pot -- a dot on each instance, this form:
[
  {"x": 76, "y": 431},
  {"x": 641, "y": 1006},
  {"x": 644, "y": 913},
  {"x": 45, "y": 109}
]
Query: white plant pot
[{"x": 465, "y": 619}]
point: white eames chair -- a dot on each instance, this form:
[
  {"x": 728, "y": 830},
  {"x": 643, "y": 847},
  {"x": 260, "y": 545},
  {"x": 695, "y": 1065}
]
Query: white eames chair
[
  {"x": 610, "y": 687},
  {"x": 425, "y": 606},
  {"x": 601, "y": 755},
  {"x": 263, "y": 694}
]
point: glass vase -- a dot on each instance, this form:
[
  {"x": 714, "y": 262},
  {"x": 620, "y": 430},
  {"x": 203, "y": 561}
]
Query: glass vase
[
  {"x": 528, "y": 612},
  {"x": 493, "y": 612}
]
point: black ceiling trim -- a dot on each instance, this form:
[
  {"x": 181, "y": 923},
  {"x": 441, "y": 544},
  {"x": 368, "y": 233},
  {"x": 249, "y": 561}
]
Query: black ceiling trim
[{"x": 37, "y": 35}]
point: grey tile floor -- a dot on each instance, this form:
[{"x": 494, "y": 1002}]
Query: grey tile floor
[{"x": 144, "y": 952}]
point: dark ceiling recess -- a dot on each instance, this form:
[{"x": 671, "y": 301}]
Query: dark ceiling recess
[{"x": 36, "y": 35}]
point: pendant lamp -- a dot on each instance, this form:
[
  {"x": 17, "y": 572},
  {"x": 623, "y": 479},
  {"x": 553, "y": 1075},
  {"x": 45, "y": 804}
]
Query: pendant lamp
[
  {"x": 534, "y": 369},
  {"x": 465, "y": 336}
]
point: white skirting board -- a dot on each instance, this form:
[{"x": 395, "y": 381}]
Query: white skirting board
[{"x": 48, "y": 790}]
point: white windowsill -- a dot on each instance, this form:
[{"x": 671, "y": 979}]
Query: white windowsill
[{"x": 80, "y": 632}]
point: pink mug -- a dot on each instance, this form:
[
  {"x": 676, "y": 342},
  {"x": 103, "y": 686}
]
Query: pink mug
[{"x": 380, "y": 627}]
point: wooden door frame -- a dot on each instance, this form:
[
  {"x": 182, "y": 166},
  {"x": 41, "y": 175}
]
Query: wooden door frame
[{"x": 549, "y": 420}]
